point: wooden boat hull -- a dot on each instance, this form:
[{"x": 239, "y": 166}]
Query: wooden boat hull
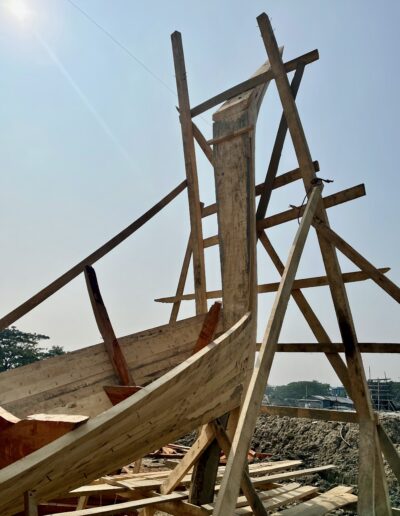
[
  {"x": 204, "y": 387},
  {"x": 73, "y": 383}
]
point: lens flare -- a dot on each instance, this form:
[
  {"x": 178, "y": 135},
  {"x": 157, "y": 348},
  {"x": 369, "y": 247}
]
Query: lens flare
[{"x": 18, "y": 9}]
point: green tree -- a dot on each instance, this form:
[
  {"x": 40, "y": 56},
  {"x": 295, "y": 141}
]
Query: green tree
[
  {"x": 18, "y": 348},
  {"x": 297, "y": 390}
]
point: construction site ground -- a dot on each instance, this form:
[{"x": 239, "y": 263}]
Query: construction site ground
[{"x": 321, "y": 442}]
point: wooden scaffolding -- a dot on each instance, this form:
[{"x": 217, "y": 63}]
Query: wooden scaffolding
[{"x": 243, "y": 222}]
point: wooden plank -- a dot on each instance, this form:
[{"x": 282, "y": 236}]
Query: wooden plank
[
  {"x": 191, "y": 174},
  {"x": 284, "y": 499},
  {"x": 31, "y": 508},
  {"x": 65, "y": 278},
  {"x": 264, "y": 495},
  {"x": 280, "y": 477},
  {"x": 26, "y": 436},
  {"x": 230, "y": 484},
  {"x": 7, "y": 419},
  {"x": 294, "y": 213},
  {"x": 205, "y": 438},
  {"x": 203, "y": 143},
  {"x": 334, "y": 499},
  {"x": 182, "y": 281},
  {"x": 246, "y": 485},
  {"x": 277, "y": 151},
  {"x": 389, "y": 451},
  {"x": 122, "y": 508},
  {"x": 257, "y": 80},
  {"x": 266, "y": 288},
  {"x": 106, "y": 330},
  {"x": 148, "y": 481},
  {"x": 388, "y": 286},
  {"x": 209, "y": 327},
  {"x": 308, "y": 413},
  {"x": 335, "y": 199},
  {"x": 359, "y": 389},
  {"x": 338, "y": 347}
]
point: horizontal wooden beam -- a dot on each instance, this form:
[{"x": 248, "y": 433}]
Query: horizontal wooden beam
[
  {"x": 308, "y": 413},
  {"x": 294, "y": 213},
  {"x": 331, "y": 200},
  {"x": 317, "y": 281},
  {"x": 251, "y": 83},
  {"x": 281, "y": 180},
  {"x": 68, "y": 276},
  {"x": 338, "y": 347}
]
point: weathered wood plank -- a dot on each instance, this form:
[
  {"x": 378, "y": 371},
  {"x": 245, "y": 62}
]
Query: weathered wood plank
[
  {"x": 389, "y": 451},
  {"x": 182, "y": 281},
  {"x": 294, "y": 213},
  {"x": 191, "y": 174},
  {"x": 265, "y": 288},
  {"x": 65, "y": 278},
  {"x": 277, "y": 151},
  {"x": 205, "y": 438},
  {"x": 230, "y": 483},
  {"x": 246, "y": 485},
  {"x": 251, "y": 83},
  {"x": 106, "y": 330},
  {"x": 337, "y": 347},
  {"x": 122, "y": 508},
  {"x": 333, "y": 499}
]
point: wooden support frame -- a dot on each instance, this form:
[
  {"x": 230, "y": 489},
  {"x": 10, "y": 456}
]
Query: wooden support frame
[
  {"x": 255, "y": 81},
  {"x": 266, "y": 288},
  {"x": 226, "y": 500},
  {"x": 191, "y": 174},
  {"x": 375, "y": 274},
  {"x": 368, "y": 434}
]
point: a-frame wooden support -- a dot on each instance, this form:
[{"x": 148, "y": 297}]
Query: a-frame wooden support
[
  {"x": 373, "y": 494},
  {"x": 229, "y": 491}
]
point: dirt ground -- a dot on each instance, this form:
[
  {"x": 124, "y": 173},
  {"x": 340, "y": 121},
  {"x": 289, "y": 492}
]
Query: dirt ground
[
  {"x": 323, "y": 442},
  {"x": 317, "y": 443}
]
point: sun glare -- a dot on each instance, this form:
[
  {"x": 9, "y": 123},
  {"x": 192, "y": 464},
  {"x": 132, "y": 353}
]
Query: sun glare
[{"x": 18, "y": 9}]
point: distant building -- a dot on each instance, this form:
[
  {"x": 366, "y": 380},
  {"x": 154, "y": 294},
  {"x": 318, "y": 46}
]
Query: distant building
[
  {"x": 326, "y": 402},
  {"x": 382, "y": 395}
]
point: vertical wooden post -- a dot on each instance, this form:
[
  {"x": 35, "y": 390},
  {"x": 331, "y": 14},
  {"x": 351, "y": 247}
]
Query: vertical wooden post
[
  {"x": 233, "y": 158},
  {"x": 30, "y": 504},
  {"x": 191, "y": 174},
  {"x": 360, "y": 393}
]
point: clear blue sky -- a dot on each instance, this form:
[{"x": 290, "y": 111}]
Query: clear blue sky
[{"x": 89, "y": 140}]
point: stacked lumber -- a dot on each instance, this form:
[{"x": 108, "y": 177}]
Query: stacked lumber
[{"x": 129, "y": 492}]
